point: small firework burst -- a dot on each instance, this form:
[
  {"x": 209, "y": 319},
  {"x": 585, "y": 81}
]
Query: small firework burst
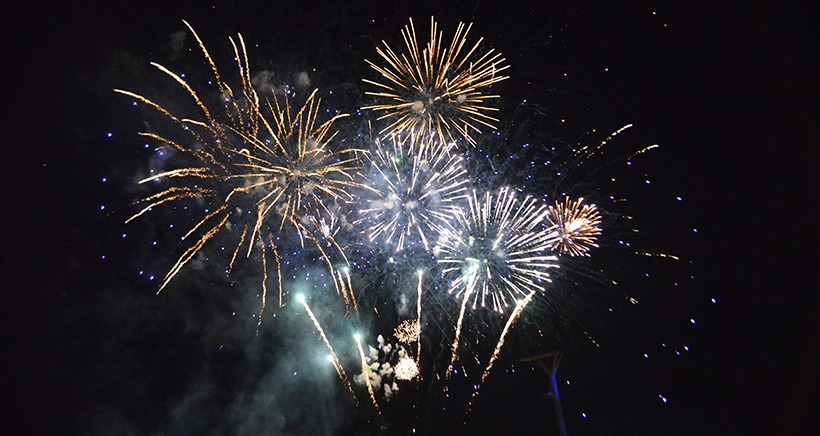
[
  {"x": 437, "y": 91},
  {"x": 406, "y": 368},
  {"x": 408, "y": 331},
  {"x": 573, "y": 227}
]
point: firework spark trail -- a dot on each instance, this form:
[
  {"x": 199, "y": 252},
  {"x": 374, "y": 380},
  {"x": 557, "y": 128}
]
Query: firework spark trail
[
  {"x": 467, "y": 292},
  {"x": 589, "y": 151},
  {"x": 334, "y": 358},
  {"x": 418, "y": 319},
  {"x": 519, "y": 307},
  {"x": 347, "y": 289},
  {"x": 414, "y": 188},
  {"x": 436, "y": 91},
  {"x": 366, "y": 374},
  {"x": 573, "y": 227}
]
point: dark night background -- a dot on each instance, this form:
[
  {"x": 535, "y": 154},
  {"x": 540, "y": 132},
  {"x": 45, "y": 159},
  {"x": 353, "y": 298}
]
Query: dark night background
[{"x": 729, "y": 92}]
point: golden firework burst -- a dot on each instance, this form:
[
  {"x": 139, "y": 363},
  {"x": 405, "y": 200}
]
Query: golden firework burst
[
  {"x": 573, "y": 227},
  {"x": 438, "y": 90},
  {"x": 254, "y": 165}
]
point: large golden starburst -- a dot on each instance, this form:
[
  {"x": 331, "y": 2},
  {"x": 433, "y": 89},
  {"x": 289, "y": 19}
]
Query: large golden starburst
[{"x": 438, "y": 90}]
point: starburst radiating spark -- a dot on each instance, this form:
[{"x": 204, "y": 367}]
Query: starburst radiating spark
[
  {"x": 414, "y": 188},
  {"x": 406, "y": 368},
  {"x": 436, "y": 89},
  {"x": 366, "y": 373},
  {"x": 573, "y": 227},
  {"x": 291, "y": 165},
  {"x": 519, "y": 307},
  {"x": 497, "y": 250},
  {"x": 345, "y": 287},
  {"x": 257, "y": 166},
  {"x": 334, "y": 359}
]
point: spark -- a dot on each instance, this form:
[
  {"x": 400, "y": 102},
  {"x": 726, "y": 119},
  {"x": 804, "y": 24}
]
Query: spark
[
  {"x": 573, "y": 227},
  {"x": 437, "y": 91},
  {"x": 457, "y": 336},
  {"x": 366, "y": 373},
  {"x": 663, "y": 255},
  {"x": 519, "y": 307},
  {"x": 418, "y": 317},
  {"x": 334, "y": 359}
]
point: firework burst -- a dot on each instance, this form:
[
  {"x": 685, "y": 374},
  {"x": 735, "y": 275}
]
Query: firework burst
[
  {"x": 414, "y": 189},
  {"x": 437, "y": 91},
  {"x": 406, "y": 368},
  {"x": 497, "y": 251},
  {"x": 573, "y": 227},
  {"x": 254, "y": 166}
]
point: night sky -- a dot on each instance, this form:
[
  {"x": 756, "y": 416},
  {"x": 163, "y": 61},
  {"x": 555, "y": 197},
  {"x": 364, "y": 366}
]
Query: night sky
[{"x": 723, "y": 341}]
